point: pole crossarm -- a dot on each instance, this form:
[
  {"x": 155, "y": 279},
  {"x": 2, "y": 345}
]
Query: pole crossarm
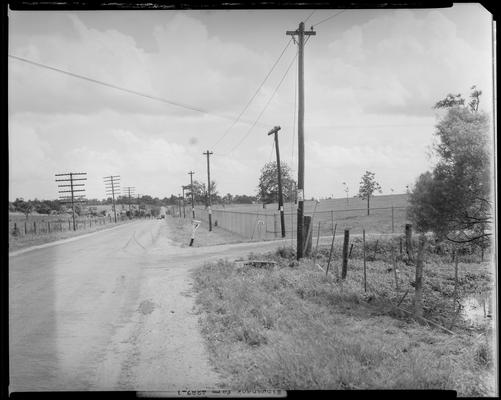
[{"x": 274, "y": 130}]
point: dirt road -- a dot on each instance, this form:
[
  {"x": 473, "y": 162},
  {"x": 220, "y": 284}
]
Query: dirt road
[{"x": 110, "y": 311}]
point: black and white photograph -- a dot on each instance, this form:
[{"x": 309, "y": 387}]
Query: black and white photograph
[{"x": 235, "y": 202}]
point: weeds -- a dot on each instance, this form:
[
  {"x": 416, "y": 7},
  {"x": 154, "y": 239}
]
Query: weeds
[{"x": 294, "y": 328}]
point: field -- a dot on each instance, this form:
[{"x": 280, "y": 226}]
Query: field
[
  {"x": 289, "y": 326},
  {"x": 388, "y": 214},
  {"x": 40, "y": 228}
]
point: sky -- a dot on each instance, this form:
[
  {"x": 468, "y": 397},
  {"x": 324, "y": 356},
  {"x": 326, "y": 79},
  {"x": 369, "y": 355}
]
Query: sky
[{"x": 371, "y": 78}]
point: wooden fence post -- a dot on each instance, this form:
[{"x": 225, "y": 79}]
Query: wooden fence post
[
  {"x": 345, "y": 253},
  {"x": 395, "y": 269},
  {"x": 316, "y": 246},
  {"x": 365, "y": 267},
  {"x": 48, "y": 226},
  {"x": 418, "y": 296},
  {"x": 307, "y": 230},
  {"x": 35, "y": 226},
  {"x": 351, "y": 248},
  {"x": 25, "y": 228},
  {"x": 408, "y": 240},
  {"x": 330, "y": 254}
]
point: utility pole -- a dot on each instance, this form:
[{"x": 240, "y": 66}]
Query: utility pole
[
  {"x": 129, "y": 190},
  {"x": 280, "y": 197},
  {"x": 72, "y": 197},
  {"x": 112, "y": 186},
  {"x": 208, "y": 154},
  {"x": 191, "y": 190},
  {"x": 301, "y": 33},
  {"x": 184, "y": 209},
  {"x": 138, "y": 209}
]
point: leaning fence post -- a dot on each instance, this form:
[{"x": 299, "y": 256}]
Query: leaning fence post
[
  {"x": 395, "y": 269},
  {"x": 345, "y": 253},
  {"x": 330, "y": 254},
  {"x": 351, "y": 248},
  {"x": 316, "y": 246}
]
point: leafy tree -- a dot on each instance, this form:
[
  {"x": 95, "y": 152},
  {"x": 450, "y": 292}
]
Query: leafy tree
[
  {"x": 200, "y": 191},
  {"x": 454, "y": 200},
  {"x": 368, "y": 186},
  {"x": 26, "y": 207},
  {"x": 268, "y": 182}
]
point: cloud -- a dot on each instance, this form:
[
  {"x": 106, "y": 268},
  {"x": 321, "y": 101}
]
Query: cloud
[
  {"x": 399, "y": 63},
  {"x": 197, "y": 70}
]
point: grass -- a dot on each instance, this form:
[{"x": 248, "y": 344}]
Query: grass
[
  {"x": 353, "y": 216},
  {"x": 291, "y": 327},
  {"x": 180, "y": 230}
]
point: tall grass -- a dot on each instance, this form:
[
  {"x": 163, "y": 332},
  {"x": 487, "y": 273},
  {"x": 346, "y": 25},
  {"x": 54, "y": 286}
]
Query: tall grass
[{"x": 294, "y": 328}]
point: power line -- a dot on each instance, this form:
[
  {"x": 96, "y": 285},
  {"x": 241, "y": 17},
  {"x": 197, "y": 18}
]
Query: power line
[
  {"x": 110, "y": 85},
  {"x": 309, "y": 16},
  {"x": 255, "y": 93},
  {"x": 266, "y": 106},
  {"x": 328, "y": 18}
]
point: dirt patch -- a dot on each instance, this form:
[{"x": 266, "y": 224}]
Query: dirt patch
[{"x": 146, "y": 307}]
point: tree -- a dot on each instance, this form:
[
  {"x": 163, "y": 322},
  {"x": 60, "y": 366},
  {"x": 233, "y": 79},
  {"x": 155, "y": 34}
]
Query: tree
[
  {"x": 268, "y": 182},
  {"x": 368, "y": 186},
  {"x": 26, "y": 207},
  {"x": 200, "y": 191},
  {"x": 454, "y": 200}
]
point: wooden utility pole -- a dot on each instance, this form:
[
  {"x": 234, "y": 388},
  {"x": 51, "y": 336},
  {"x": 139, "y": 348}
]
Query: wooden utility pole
[
  {"x": 184, "y": 209},
  {"x": 110, "y": 183},
  {"x": 208, "y": 154},
  {"x": 129, "y": 190},
  {"x": 301, "y": 33},
  {"x": 191, "y": 190},
  {"x": 280, "y": 196},
  {"x": 72, "y": 197}
]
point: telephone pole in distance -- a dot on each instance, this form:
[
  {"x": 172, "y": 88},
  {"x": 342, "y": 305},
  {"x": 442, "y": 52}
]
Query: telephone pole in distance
[
  {"x": 208, "y": 154},
  {"x": 71, "y": 198},
  {"x": 129, "y": 190},
  {"x": 191, "y": 190},
  {"x": 110, "y": 184},
  {"x": 280, "y": 197},
  {"x": 301, "y": 33}
]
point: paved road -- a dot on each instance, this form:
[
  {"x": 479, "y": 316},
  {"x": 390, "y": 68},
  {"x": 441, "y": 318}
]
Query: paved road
[{"x": 110, "y": 311}]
